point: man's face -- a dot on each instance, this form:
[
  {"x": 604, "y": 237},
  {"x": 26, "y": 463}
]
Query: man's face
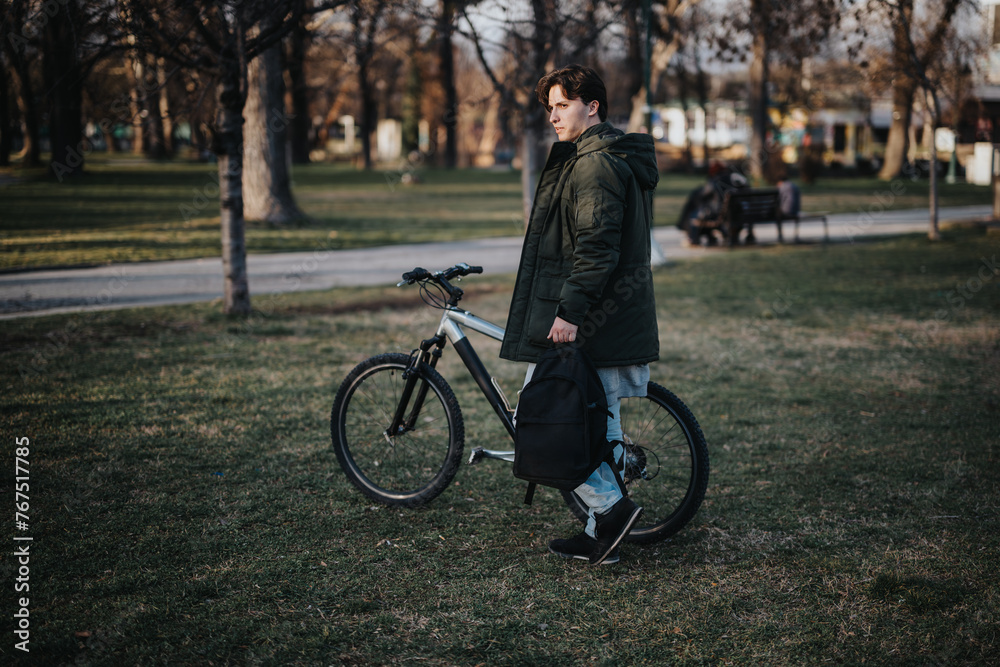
[{"x": 570, "y": 117}]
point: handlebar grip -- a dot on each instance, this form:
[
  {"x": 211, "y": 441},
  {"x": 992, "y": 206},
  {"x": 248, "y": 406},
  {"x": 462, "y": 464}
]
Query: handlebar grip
[
  {"x": 475, "y": 269},
  {"x": 418, "y": 273}
]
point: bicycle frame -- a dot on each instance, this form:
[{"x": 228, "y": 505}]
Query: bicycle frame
[{"x": 450, "y": 329}]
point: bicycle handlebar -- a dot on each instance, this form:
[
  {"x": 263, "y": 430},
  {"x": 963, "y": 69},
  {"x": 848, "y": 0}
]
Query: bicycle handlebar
[{"x": 419, "y": 273}]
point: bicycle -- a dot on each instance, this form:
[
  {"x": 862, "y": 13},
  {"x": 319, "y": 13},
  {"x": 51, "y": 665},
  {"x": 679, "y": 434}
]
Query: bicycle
[{"x": 398, "y": 432}]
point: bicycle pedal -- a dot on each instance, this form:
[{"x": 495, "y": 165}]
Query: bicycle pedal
[{"x": 476, "y": 456}]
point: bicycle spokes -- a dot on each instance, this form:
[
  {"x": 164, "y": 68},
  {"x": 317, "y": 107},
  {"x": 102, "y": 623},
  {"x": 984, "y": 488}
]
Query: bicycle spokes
[{"x": 640, "y": 463}]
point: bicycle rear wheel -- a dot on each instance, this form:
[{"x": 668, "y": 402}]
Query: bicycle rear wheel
[
  {"x": 666, "y": 464},
  {"x": 414, "y": 465}
]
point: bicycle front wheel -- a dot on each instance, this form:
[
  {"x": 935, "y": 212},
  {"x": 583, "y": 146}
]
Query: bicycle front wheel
[
  {"x": 414, "y": 464},
  {"x": 665, "y": 467}
]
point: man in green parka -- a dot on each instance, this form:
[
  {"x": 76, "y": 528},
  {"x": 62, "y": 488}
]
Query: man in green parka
[{"x": 584, "y": 276}]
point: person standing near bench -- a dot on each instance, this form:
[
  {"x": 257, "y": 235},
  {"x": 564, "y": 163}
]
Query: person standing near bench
[
  {"x": 584, "y": 276},
  {"x": 789, "y": 195}
]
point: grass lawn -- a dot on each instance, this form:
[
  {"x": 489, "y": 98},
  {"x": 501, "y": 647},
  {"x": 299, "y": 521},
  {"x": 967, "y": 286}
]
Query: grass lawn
[
  {"x": 126, "y": 209},
  {"x": 186, "y": 507}
]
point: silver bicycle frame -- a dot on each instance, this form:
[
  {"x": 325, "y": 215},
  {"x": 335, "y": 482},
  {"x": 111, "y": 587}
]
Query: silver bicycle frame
[{"x": 452, "y": 321}]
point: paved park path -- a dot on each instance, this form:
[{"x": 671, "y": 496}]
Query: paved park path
[{"x": 187, "y": 281}]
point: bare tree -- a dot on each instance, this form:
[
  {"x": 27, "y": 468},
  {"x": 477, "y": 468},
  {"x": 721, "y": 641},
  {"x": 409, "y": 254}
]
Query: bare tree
[
  {"x": 77, "y": 34},
  {"x": 135, "y": 72},
  {"x": 220, "y": 38},
  {"x": 910, "y": 55},
  {"x": 149, "y": 104},
  {"x": 366, "y": 20},
  {"x": 761, "y": 16},
  {"x": 764, "y": 30},
  {"x": 300, "y": 93},
  {"x": 654, "y": 32},
  {"x": 21, "y": 46},
  {"x": 692, "y": 80},
  {"x": 446, "y": 62},
  {"x": 70, "y": 36},
  {"x": 916, "y": 69},
  {"x": 297, "y": 45},
  {"x": 6, "y": 140}
]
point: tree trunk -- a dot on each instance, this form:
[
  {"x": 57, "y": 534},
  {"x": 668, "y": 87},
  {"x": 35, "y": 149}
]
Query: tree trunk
[
  {"x": 684, "y": 95},
  {"x": 758, "y": 91},
  {"x": 533, "y": 152},
  {"x": 649, "y": 60},
  {"x": 6, "y": 144},
  {"x": 634, "y": 48},
  {"x": 412, "y": 101},
  {"x": 135, "y": 73},
  {"x": 168, "y": 119},
  {"x": 368, "y": 115},
  {"x": 28, "y": 108},
  {"x": 301, "y": 123},
  {"x": 903, "y": 89},
  {"x": 365, "y": 21},
  {"x": 157, "y": 148},
  {"x": 637, "y": 117},
  {"x": 995, "y": 171},
  {"x": 635, "y": 58},
  {"x": 109, "y": 138},
  {"x": 535, "y": 116},
  {"x": 161, "y": 124},
  {"x": 446, "y": 55},
  {"x": 267, "y": 187},
  {"x": 934, "y": 233},
  {"x": 64, "y": 80},
  {"x": 236, "y": 289},
  {"x": 26, "y": 114},
  {"x": 898, "y": 143}
]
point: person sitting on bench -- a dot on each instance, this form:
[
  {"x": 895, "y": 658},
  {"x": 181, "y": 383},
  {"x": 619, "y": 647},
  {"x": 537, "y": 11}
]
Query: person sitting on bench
[{"x": 700, "y": 216}]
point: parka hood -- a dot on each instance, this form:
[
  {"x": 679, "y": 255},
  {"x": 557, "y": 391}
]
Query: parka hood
[{"x": 637, "y": 150}]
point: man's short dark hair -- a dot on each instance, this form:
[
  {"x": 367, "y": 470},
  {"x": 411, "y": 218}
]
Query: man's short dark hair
[{"x": 578, "y": 83}]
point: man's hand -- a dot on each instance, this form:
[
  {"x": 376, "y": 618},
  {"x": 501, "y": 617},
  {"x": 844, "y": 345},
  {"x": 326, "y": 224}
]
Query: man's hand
[{"x": 562, "y": 331}]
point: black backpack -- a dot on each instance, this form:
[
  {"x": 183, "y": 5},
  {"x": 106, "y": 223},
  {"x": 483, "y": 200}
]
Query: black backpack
[{"x": 562, "y": 422}]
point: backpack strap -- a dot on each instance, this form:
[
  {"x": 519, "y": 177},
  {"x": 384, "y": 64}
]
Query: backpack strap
[
  {"x": 529, "y": 494},
  {"x": 610, "y": 459}
]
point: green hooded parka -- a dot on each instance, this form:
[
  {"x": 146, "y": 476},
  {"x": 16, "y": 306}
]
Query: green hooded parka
[{"x": 586, "y": 254}]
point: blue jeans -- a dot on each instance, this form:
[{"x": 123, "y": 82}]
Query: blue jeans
[{"x": 601, "y": 491}]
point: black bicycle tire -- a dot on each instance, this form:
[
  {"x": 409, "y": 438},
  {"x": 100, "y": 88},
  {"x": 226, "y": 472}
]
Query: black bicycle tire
[
  {"x": 360, "y": 474},
  {"x": 668, "y": 525}
]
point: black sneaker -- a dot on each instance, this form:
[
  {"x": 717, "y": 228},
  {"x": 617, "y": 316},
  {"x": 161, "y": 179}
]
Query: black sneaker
[
  {"x": 580, "y": 546},
  {"x": 612, "y": 527}
]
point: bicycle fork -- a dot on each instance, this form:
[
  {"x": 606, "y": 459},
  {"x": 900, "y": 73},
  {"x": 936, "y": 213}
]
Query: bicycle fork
[{"x": 429, "y": 353}]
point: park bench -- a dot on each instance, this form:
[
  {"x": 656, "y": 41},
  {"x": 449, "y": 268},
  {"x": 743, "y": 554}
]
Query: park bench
[
  {"x": 811, "y": 217},
  {"x": 741, "y": 209}
]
